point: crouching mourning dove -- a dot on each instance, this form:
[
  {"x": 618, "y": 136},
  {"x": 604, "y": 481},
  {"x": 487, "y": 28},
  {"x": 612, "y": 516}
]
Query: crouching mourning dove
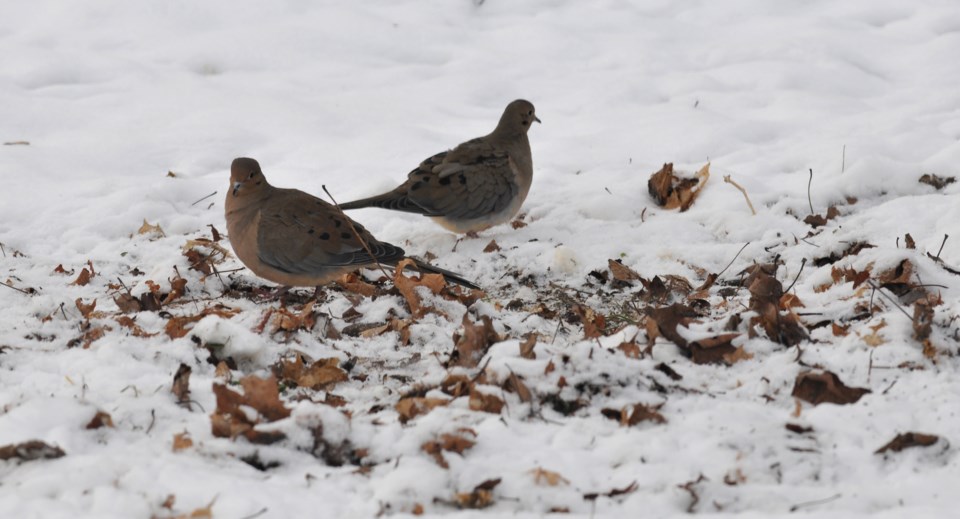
[
  {"x": 479, "y": 184},
  {"x": 295, "y": 239}
]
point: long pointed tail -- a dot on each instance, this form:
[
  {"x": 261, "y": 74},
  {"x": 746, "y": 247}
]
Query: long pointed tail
[
  {"x": 451, "y": 277},
  {"x": 393, "y": 200}
]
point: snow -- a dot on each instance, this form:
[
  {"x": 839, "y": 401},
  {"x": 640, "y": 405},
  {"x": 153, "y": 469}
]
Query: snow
[{"x": 112, "y": 96}]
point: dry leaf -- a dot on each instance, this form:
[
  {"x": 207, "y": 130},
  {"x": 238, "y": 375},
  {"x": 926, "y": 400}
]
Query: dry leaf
[
  {"x": 542, "y": 475},
  {"x": 907, "y": 440},
  {"x": 322, "y": 374},
  {"x": 484, "y": 402},
  {"x": 474, "y": 343},
  {"x": 181, "y": 384},
  {"x": 527, "y": 346},
  {"x": 182, "y": 441},
  {"x": 85, "y": 310},
  {"x": 409, "y": 408},
  {"x": 622, "y": 272},
  {"x": 825, "y": 387},
  {"x": 30, "y": 450},
  {"x": 491, "y": 247},
  {"x": 101, "y": 419},
  {"x": 451, "y": 442},
  {"x": 83, "y": 278},
  {"x": 408, "y": 287},
  {"x": 352, "y": 283},
  {"x": 671, "y": 192},
  {"x": 152, "y": 231},
  {"x": 480, "y": 497},
  {"x": 263, "y": 395}
]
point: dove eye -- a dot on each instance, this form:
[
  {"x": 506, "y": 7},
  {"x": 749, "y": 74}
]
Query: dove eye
[{"x": 252, "y": 174}]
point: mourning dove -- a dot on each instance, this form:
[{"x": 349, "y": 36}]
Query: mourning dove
[
  {"x": 479, "y": 184},
  {"x": 295, "y": 239}
]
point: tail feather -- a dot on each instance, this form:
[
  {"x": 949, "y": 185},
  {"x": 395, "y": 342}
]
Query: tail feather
[
  {"x": 451, "y": 277},
  {"x": 392, "y": 200}
]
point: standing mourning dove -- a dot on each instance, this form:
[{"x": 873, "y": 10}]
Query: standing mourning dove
[
  {"x": 478, "y": 184},
  {"x": 295, "y": 239}
]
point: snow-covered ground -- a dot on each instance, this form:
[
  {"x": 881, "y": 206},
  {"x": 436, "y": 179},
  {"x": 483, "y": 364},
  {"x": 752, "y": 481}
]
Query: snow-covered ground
[{"x": 111, "y": 96}]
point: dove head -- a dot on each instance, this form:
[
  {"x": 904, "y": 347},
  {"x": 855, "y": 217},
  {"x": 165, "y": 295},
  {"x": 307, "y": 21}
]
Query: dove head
[
  {"x": 518, "y": 116},
  {"x": 246, "y": 178}
]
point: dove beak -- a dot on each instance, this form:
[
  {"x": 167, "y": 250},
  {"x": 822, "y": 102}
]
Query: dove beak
[
  {"x": 236, "y": 187},
  {"x": 535, "y": 118}
]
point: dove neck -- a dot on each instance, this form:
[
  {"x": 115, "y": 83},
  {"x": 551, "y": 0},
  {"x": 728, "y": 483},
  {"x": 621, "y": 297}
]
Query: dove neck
[
  {"x": 509, "y": 132},
  {"x": 252, "y": 196}
]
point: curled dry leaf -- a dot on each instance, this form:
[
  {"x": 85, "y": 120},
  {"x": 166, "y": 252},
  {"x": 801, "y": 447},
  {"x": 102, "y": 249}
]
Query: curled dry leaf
[
  {"x": 409, "y": 408},
  {"x": 765, "y": 294},
  {"x": 180, "y": 326},
  {"x": 527, "y": 346},
  {"x": 352, "y": 283},
  {"x": 230, "y": 420},
  {"x": 151, "y": 231},
  {"x": 937, "y": 181},
  {"x": 543, "y": 476},
  {"x": 85, "y": 310},
  {"x": 825, "y": 387},
  {"x": 480, "y": 497},
  {"x": 408, "y": 287},
  {"x": 101, "y": 419},
  {"x": 286, "y": 320},
  {"x": 491, "y": 247},
  {"x": 907, "y": 440},
  {"x": 622, "y": 272},
  {"x": 83, "y": 278},
  {"x": 473, "y": 344},
  {"x": 321, "y": 374},
  {"x": 485, "y": 402},
  {"x": 671, "y": 192},
  {"x": 182, "y": 441},
  {"x": 181, "y": 384},
  {"x": 456, "y": 442},
  {"x": 514, "y": 384},
  {"x": 594, "y": 323},
  {"x": 713, "y": 350},
  {"x": 632, "y": 415},
  {"x": 131, "y": 324},
  {"x": 29, "y": 451}
]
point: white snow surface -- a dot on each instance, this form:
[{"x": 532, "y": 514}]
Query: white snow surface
[{"x": 111, "y": 95}]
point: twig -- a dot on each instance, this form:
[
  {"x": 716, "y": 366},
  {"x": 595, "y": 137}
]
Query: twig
[
  {"x": 153, "y": 419},
  {"x": 355, "y": 233},
  {"x": 730, "y": 181},
  {"x": 15, "y": 288},
  {"x": 796, "y": 507},
  {"x": 123, "y": 285},
  {"x": 202, "y": 199},
  {"x": 944, "y": 242},
  {"x": 803, "y": 262},
  {"x": 809, "y": 183},
  {"x": 734, "y": 259},
  {"x": 875, "y": 287},
  {"x": 843, "y": 159},
  {"x": 256, "y": 514},
  {"x": 3, "y": 251}
]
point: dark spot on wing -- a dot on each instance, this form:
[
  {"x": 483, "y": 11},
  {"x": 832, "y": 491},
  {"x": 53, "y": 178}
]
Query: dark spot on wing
[
  {"x": 416, "y": 186},
  {"x": 445, "y": 181},
  {"x": 325, "y": 236},
  {"x": 345, "y": 235},
  {"x": 311, "y": 231},
  {"x": 337, "y": 223},
  {"x": 463, "y": 179}
]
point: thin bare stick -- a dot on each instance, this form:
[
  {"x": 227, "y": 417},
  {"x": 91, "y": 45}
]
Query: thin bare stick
[
  {"x": 15, "y": 288},
  {"x": 3, "y": 251},
  {"x": 944, "y": 242},
  {"x": 355, "y": 233},
  {"x": 202, "y": 199},
  {"x": 843, "y": 159},
  {"x": 803, "y": 262},
  {"x": 879, "y": 291},
  {"x": 798, "y": 506},
  {"x": 810, "y": 183},
  {"x": 734, "y": 259},
  {"x": 730, "y": 181}
]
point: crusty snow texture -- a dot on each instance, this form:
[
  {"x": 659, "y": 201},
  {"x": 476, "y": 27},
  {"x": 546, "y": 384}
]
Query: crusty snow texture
[{"x": 112, "y": 95}]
